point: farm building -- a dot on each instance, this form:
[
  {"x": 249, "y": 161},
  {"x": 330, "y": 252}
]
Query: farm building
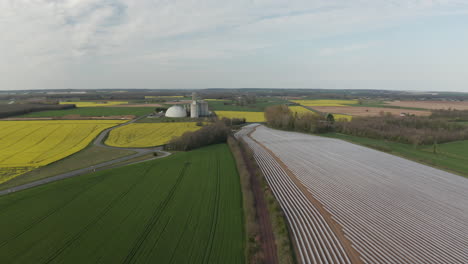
[
  {"x": 176, "y": 111},
  {"x": 198, "y": 108}
]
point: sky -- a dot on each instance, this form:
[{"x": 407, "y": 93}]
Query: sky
[{"x": 417, "y": 45}]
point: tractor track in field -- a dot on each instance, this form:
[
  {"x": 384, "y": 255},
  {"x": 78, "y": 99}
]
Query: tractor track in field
[
  {"x": 98, "y": 141},
  {"x": 189, "y": 218},
  {"x": 51, "y": 212},
  {"x": 207, "y": 255},
  {"x": 94, "y": 221},
  {"x": 155, "y": 216}
]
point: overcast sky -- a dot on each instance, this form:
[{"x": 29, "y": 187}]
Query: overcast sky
[{"x": 369, "y": 44}]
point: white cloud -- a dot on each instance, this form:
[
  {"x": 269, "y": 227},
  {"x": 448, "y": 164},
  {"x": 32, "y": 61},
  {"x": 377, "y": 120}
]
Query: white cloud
[{"x": 41, "y": 36}]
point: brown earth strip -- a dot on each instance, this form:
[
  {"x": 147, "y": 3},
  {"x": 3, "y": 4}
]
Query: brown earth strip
[
  {"x": 367, "y": 111},
  {"x": 264, "y": 225},
  {"x": 462, "y": 105},
  {"x": 134, "y": 105},
  {"x": 352, "y": 254}
]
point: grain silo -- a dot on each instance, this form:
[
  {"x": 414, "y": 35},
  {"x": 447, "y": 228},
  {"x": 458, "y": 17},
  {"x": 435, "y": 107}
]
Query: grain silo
[
  {"x": 203, "y": 108},
  {"x": 194, "y": 111}
]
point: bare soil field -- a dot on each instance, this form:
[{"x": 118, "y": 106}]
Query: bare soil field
[
  {"x": 178, "y": 102},
  {"x": 135, "y": 105},
  {"x": 431, "y": 104},
  {"x": 367, "y": 111}
]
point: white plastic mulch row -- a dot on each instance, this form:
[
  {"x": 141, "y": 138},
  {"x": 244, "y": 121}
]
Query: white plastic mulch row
[
  {"x": 393, "y": 210},
  {"x": 316, "y": 241}
]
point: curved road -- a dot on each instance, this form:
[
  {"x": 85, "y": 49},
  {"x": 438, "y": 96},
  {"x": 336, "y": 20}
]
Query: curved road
[{"x": 98, "y": 141}]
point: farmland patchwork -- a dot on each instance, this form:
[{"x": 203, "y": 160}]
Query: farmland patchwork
[{"x": 26, "y": 145}]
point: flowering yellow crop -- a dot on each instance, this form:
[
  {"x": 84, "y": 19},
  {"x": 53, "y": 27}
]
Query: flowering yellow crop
[
  {"x": 325, "y": 102},
  {"x": 300, "y": 110},
  {"x": 340, "y": 116},
  {"x": 148, "y": 134},
  {"x": 25, "y": 145},
  {"x": 95, "y": 104},
  {"x": 249, "y": 116}
]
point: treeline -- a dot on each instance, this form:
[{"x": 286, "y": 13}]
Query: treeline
[
  {"x": 410, "y": 130},
  {"x": 8, "y": 110},
  {"x": 281, "y": 117},
  {"x": 207, "y": 135},
  {"x": 452, "y": 114},
  {"x": 437, "y": 128}
]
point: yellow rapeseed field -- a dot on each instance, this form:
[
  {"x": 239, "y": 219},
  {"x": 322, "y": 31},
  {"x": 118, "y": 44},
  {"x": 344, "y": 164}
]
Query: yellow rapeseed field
[
  {"x": 325, "y": 102},
  {"x": 95, "y": 104},
  {"x": 303, "y": 110},
  {"x": 148, "y": 134},
  {"x": 25, "y": 145},
  {"x": 300, "y": 110},
  {"x": 249, "y": 116},
  {"x": 340, "y": 116}
]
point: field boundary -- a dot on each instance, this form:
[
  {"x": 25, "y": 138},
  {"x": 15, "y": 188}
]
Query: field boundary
[{"x": 260, "y": 237}]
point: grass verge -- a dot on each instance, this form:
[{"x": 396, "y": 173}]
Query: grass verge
[
  {"x": 87, "y": 157},
  {"x": 253, "y": 252},
  {"x": 284, "y": 249}
]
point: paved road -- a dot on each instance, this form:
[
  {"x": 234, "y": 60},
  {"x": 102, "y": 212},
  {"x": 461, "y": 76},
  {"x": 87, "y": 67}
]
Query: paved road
[{"x": 101, "y": 166}]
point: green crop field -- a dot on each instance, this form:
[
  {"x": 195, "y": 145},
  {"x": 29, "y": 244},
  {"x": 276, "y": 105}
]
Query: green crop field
[
  {"x": 259, "y": 106},
  {"x": 87, "y": 157},
  {"x": 185, "y": 208},
  {"x": 94, "y": 111},
  {"x": 452, "y": 156}
]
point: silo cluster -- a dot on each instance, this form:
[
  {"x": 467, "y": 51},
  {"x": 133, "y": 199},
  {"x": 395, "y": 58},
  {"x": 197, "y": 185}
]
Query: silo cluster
[{"x": 199, "y": 108}]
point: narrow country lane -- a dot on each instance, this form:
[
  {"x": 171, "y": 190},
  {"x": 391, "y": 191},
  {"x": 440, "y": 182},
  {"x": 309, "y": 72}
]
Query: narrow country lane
[{"x": 98, "y": 141}]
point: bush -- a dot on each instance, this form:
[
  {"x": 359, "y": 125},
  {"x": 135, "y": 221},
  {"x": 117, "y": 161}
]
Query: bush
[
  {"x": 281, "y": 117},
  {"x": 207, "y": 135}
]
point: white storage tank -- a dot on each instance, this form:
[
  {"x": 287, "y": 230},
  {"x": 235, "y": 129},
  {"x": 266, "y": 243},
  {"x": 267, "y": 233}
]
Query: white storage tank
[{"x": 176, "y": 111}]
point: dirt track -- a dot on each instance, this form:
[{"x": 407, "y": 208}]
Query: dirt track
[{"x": 265, "y": 227}]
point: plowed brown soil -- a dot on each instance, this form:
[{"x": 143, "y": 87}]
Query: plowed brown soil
[
  {"x": 431, "y": 104},
  {"x": 367, "y": 111}
]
